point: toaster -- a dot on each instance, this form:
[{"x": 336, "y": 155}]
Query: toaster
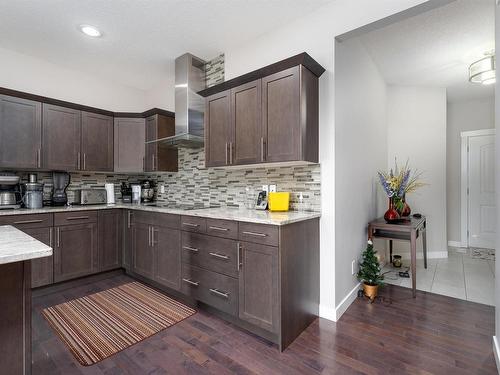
[{"x": 90, "y": 196}]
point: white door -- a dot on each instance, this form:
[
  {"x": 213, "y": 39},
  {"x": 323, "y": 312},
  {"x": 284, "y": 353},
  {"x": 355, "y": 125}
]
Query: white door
[{"x": 482, "y": 212}]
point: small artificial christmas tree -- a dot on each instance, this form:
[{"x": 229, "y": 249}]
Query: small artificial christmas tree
[{"x": 369, "y": 272}]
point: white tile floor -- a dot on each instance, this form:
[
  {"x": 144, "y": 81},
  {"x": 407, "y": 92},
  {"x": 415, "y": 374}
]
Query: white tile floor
[{"x": 459, "y": 276}]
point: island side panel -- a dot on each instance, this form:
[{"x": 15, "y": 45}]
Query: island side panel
[
  {"x": 299, "y": 267},
  {"x": 15, "y": 318}
]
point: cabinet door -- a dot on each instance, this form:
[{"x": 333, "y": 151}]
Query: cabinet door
[
  {"x": 110, "y": 239},
  {"x": 97, "y": 142},
  {"x": 60, "y": 138},
  {"x": 75, "y": 253},
  {"x": 246, "y": 113},
  {"x": 258, "y": 290},
  {"x": 151, "y": 157},
  {"x": 168, "y": 256},
  {"x": 20, "y": 132},
  {"x": 42, "y": 269},
  {"x": 129, "y": 138},
  {"x": 143, "y": 259},
  {"x": 218, "y": 132},
  {"x": 127, "y": 240},
  {"x": 152, "y": 128},
  {"x": 281, "y": 115}
]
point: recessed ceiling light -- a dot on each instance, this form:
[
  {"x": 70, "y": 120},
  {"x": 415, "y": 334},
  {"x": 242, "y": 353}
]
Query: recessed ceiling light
[{"x": 90, "y": 31}]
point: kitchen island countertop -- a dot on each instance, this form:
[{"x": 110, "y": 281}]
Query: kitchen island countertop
[{"x": 16, "y": 246}]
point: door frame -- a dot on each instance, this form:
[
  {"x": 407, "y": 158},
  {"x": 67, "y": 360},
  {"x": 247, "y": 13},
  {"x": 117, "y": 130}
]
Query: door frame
[{"x": 464, "y": 181}]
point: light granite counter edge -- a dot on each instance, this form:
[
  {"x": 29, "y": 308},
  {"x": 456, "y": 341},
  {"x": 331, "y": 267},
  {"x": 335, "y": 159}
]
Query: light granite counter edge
[{"x": 17, "y": 246}]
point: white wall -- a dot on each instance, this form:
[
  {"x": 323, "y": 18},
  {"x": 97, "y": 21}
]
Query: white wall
[
  {"x": 496, "y": 349},
  {"x": 315, "y": 35},
  {"x": 416, "y": 128},
  {"x": 463, "y": 115},
  {"x": 25, "y": 73},
  {"x": 360, "y": 151}
]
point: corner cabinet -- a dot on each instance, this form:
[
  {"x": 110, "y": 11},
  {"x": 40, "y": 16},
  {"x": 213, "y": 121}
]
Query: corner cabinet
[
  {"x": 129, "y": 140},
  {"x": 97, "y": 142},
  {"x": 159, "y": 157},
  {"x": 272, "y": 119}
]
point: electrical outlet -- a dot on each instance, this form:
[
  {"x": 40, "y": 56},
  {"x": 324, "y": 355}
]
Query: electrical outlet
[
  {"x": 265, "y": 188},
  {"x": 354, "y": 267},
  {"x": 272, "y": 188},
  {"x": 162, "y": 189}
]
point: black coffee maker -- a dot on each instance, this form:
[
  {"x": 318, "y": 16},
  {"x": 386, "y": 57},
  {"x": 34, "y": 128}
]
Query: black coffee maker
[{"x": 60, "y": 181}]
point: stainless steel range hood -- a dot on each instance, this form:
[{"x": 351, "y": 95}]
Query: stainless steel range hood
[{"x": 189, "y": 106}]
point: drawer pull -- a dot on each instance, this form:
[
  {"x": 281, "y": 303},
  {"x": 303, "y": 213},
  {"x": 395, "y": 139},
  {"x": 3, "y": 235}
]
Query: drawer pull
[
  {"x": 219, "y": 293},
  {"x": 219, "y": 229},
  {"x": 191, "y": 225},
  {"x": 220, "y": 256},
  {"x": 77, "y": 218},
  {"x": 28, "y": 221},
  {"x": 255, "y": 234},
  {"x": 191, "y": 282},
  {"x": 193, "y": 249}
]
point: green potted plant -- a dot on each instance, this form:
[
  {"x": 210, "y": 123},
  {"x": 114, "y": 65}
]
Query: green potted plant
[{"x": 369, "y": 272}]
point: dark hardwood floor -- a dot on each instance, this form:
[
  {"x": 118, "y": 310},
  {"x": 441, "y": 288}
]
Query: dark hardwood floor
[{"x": 431, "y": 334}]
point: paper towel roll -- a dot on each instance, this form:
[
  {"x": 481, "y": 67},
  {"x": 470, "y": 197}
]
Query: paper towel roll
[{"x": 110, "y": 193}]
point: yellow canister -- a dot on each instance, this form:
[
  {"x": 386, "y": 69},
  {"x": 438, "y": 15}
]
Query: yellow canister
[{"x": 279, "y": 201}]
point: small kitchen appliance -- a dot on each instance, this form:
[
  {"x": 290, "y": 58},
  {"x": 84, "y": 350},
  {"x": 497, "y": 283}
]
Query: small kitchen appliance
[
  {"x": 60, "y": 181},
  {"x": 147, "y": 191},
  {"x": 126, "y": 192},
  {"x": 136, "y": 193},
  {"x": 110, "y": 193},
  {"x": 90, "y": 196},
  {"x": 33, "y": 193},
  {"x": 10, "y": 191}
]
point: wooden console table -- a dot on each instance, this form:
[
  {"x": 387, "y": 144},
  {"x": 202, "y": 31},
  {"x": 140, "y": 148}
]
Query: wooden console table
[{"x": 404, "y": 231}]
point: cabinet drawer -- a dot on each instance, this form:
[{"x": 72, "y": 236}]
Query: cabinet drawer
[
  {"x": 259, "y": 233},
  {"x": 212, "y": 253},
  {"x": 222, "y": 228},
  {"x": 76, "y": 217},
  {"x": 194, "y": 224},
  {"x": 167, "y": 220},
  {"x": 28, "y": 221},
  {"x": 212, "y": 288}
]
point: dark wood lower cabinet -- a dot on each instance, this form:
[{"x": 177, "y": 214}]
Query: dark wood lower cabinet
[
  {"x": 75, "y": 251},
  {"x": 167, "y": 244},
  {"x": 110, "y": 239},
  {"x": 127, "y": 239},
  {"x": 42, "y": 269},
  {"x": 143, "y": 254}
]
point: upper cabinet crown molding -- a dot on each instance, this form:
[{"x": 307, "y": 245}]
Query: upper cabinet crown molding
[{"x": 303, "y": 59}]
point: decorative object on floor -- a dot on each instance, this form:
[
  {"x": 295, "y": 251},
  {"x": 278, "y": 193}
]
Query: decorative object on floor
[
  {"x": 486, "y": 254},
  {"x": 396, "y": 184},
  {"x": 369, "y": 272},
  {"x": 97, "y": 326},
  {"x": 397, "y": 261}
]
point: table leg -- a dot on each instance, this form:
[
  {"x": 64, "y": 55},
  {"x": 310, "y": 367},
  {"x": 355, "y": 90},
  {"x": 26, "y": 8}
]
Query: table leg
[
  {"x": 413, "y": 250},
  {"x": 424, "y": 245},
  {"x": 390, "y": 251}
]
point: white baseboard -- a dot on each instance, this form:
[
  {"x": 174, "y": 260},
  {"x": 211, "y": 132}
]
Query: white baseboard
[
  {"x": 430, "y": 255},
  {"x": 496, "y": 351},
  {"x": 346, "y": 302},
  {"x": 327, "y": 312},
  {"x": 455, "y": 244}
]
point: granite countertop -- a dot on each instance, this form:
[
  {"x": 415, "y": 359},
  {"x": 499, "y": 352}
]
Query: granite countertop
[
  {"x": 16, "y": 246},
  {"x": 227, "y": 213}
]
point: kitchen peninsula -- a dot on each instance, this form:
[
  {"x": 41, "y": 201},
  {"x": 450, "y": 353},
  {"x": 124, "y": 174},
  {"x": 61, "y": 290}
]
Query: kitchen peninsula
[{"x": 16, "y": 251}]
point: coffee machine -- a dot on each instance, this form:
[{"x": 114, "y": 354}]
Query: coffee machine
[
  {"x": 60, "y": 181},
  {"x": 10, "y": 191}
]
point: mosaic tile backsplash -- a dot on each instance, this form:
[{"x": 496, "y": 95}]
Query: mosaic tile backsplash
[
  {"x": 195, "y": 184},
  {"x": 214, "y": 71}
]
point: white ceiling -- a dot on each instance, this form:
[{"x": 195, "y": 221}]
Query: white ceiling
[
  {"x": 436, "y": 48},
  {"x": 141, "y": 38}
]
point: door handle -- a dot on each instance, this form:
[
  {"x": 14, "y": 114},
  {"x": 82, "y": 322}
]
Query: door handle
[
  {"x": 238, "y": 256},
  {"x": 78, "y": 160},
  {"x": 28, "y": 221},
  {"x": 255, "y": 234},
  {"x": 77, "y": 218},
  {"x": 191, "y": 282},
  {"x": 50, "y": 236},
  {"x": 193, "y": 249},
  {"x": 220, "y": 256},
  {"x": 219, "y": 229},
  {"x": 226, "y": 153},
  {"x": 38, "y": 158},
  {"x": 219, "y": 293},
  {"x": 129, "y": 214},
  {"x": 191, "y": 225},
  {"x": 58, "y": 237},
  {"x": 153, "y": 230},
  {"x": 149, "y": 236},
  {"x": 261, "y": 148},
  {"x": 153, "y": 162},
  {"x": 84, "y": 160},
  {"x": 230, "y": 152}
]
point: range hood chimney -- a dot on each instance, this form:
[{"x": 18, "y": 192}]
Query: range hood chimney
[{"x": 189, "y": 106}]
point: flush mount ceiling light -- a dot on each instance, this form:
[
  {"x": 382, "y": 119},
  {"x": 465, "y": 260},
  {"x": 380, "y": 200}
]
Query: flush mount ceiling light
[
  {"x": 483, "y": 70},
  {"x": 90, "y": 31}
]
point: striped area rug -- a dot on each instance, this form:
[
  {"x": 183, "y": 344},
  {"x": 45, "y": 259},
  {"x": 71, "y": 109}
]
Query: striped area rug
[{"x": 97, "y": 326}]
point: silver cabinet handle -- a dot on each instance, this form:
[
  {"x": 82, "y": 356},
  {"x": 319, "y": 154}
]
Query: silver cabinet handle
[
  {"x": 149, "y": 236},
  {"x": 38, "y": 158},
  {"x": 191, "y": 225},
  {"x": 78, "y": 161},
  {"x": 219, "y": 229},
  {"x": 129, "y": 214},
  {"x": 50, "y": 236},
  {"x": 219, "y": 293},
  {"x": 143, "y": 164},
  {"x": 28, "y": 221},
  {"x": 230, "y": 152},
  {"x": 84, "y": 160},
  {"x": 58, "y": 239},
  {"x": 153, "y": 241},
  {"x": 238, "y": 256},
  {"x": 255, "y": 234},
  {"x": 226, "y": 153},
  {"x": 220, "y": 256},
  {"x": 193, "y": 249},
  {"x": 77, "y": 218},
  {"x": 262, "y": 148},
  {"x": 191, "y": 282},
  {"x": 153, "y": 162}
]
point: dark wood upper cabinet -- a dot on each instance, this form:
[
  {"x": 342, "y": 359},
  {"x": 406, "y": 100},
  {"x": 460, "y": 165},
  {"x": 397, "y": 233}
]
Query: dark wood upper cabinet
[
  {"x": 159, "y": 157},
  {"x": 247, "y": 143},
  {"x": 20, "y": 133},
  {"x": 97, "y": 142},
  {"x": 110, "y": 239},
  {"x": 167, "y": 243},
  {"x": 61, "y": 129},
  {"x": 218, "y": 129},
  {"x": 129, "y": 138}
]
